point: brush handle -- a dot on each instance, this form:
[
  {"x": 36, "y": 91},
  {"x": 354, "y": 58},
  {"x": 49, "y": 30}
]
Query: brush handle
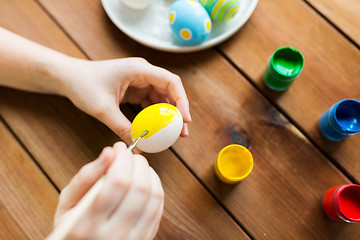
[{"x": 73, "y": 216}]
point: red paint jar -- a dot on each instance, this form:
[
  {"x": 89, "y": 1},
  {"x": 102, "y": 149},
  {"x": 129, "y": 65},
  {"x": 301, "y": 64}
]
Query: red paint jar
[{"x": 342, "y": 203}]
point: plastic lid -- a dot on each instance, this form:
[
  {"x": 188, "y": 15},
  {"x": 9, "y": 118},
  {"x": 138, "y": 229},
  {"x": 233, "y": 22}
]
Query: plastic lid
[{"x": 286, "y": 63}]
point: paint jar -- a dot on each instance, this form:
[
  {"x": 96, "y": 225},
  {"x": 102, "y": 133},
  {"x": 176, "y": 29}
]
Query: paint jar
[
  {"x": 341, "y": 120},
  {"x": 342, "y": 203},
  {"x": 283, "y": 67},
  {"x": 233, "y": 164}
]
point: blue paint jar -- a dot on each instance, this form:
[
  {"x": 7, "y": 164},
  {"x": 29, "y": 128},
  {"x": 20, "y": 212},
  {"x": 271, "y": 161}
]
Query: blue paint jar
[{"x": 341, "y": 120}]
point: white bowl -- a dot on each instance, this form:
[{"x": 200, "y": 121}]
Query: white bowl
[{"x": 150, "y": 26}]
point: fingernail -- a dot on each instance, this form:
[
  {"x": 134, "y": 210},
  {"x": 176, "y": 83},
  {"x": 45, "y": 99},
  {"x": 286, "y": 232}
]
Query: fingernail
[
  {"x": 186, "y": 130},
  {"x": 190, "y": 117},
  {"x": 106, "y": 154}
]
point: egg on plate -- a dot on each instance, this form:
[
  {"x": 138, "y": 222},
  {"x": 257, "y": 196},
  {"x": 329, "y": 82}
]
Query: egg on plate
[
  {"x": 189, "y": 22},
  {"x": 221, "y": 10}
]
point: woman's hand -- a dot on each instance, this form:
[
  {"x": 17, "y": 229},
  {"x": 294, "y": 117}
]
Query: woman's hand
[
  {"x": 129, "y": 205},
  {"x": 98, "y": 87}
]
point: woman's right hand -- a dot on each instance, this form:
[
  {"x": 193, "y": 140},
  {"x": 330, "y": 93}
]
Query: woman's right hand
[{"x": 130, "y": 204}]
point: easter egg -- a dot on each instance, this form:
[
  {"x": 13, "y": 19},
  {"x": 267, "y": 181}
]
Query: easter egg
[
  {"x": 137, "y": 4},
  {"x": 189, "y": 21},
  {"x": 221, "y": 10},
  {"x": 163, "y": 122}
]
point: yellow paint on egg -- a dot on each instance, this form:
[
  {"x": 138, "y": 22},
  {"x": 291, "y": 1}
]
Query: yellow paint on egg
[
  {"x": 216, "y": 7},
  {"x": 207, "y": 25},
  {"x": 172, "y": 17},
  {"x": 153, "y": 118},
  {"x": 231, "y": 13},
  {"x": 185, "y": 33}
]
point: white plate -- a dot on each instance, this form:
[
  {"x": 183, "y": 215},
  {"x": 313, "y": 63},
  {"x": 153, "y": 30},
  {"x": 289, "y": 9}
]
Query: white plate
[{"x": 151, "y": 26}]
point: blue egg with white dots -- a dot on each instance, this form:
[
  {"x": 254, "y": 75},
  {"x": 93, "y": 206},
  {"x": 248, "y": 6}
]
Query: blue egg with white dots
[{"x": 189, "y": 21}]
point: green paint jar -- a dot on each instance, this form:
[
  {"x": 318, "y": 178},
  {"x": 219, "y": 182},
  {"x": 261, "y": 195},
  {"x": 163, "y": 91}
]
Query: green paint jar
[{"x": 283, "y": 68}]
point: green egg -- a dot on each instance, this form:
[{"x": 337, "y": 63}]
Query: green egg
[{"x": 221, "y": 10}]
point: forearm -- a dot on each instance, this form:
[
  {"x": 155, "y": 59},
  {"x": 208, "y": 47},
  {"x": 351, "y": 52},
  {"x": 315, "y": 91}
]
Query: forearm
[{"x": 29, "y": 66}]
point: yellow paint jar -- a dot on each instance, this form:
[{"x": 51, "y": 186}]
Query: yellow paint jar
[{"x": 234, "y": 163}]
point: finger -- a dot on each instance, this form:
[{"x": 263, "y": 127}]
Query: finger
[
  {"x": 155, "y": 97},
  {"x": 167, "y": 83},
  {"x": 136, "y": 151},
  {"x": 150, "y": 218},
  {"x": 84, "y": 180},
  {"x": 117, "y": 182},
  {"x": 135, "y": 95},
  {"x": 135, "y": 201},
  {"x": 156, "y": 222},
  {"x": 117, "y": 122},
  {"x": 171, "y": 101},
  {"x": 145, "y": 103},
  {"x": 184, "y": 131},
  {"x": 166, "y": 100}
]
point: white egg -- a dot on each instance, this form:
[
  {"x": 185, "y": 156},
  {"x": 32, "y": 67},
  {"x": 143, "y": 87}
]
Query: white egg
[
  {"x": 164, "y": 123},
  {"x": 137, "y": 4}
]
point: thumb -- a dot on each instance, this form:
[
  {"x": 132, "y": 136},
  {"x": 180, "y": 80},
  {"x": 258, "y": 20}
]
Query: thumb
[{"x": 117, "y": 122}]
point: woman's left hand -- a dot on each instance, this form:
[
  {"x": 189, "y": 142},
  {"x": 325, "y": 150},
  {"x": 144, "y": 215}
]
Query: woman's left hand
[{"x": 98, "y": 88}]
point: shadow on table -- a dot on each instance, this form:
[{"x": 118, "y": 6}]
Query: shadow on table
[
  {"x": 273, "y": 94},
  {"x": 221, "y": 189},
  {"x": 330, "y": 146}
]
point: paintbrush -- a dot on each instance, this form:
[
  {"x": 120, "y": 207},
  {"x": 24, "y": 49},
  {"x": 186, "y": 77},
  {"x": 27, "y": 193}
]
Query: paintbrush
[
  {"x": 73, "y": 215},
  {"x": 131, "y": 147}
]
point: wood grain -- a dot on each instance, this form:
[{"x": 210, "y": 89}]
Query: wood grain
[
  {"x": 28, "y": 200},
  {"x": 281, "y": 198},
  {"x": 345, "y": 15},
  {"x": 190, "y": 213},
  {"x": 62, "y": 139},
  {"x": 330, "y": 73},
  {"x": 32, "y": 21},
  {"x": 283, "y": 193}
]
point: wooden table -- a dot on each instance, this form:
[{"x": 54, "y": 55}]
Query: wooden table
[{"x": 44, "y": 140}]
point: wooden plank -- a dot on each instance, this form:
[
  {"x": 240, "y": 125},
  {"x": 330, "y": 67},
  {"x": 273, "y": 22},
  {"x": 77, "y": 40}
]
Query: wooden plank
[
  {"x": 28, "y": 199},
  {"x": 15, "y": 14},
  {"x": 344, "y": 14},
  {"x": 330, "y": 73},
  {"x": 9, "y": 229},
  {"x": 62, "y": 139},
  {"x": 281, "y": 198}
]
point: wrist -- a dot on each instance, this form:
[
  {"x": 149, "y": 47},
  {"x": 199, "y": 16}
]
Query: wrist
[
  {"x": 48, "y": 75},
  {"x": 59, "y": 73}
]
